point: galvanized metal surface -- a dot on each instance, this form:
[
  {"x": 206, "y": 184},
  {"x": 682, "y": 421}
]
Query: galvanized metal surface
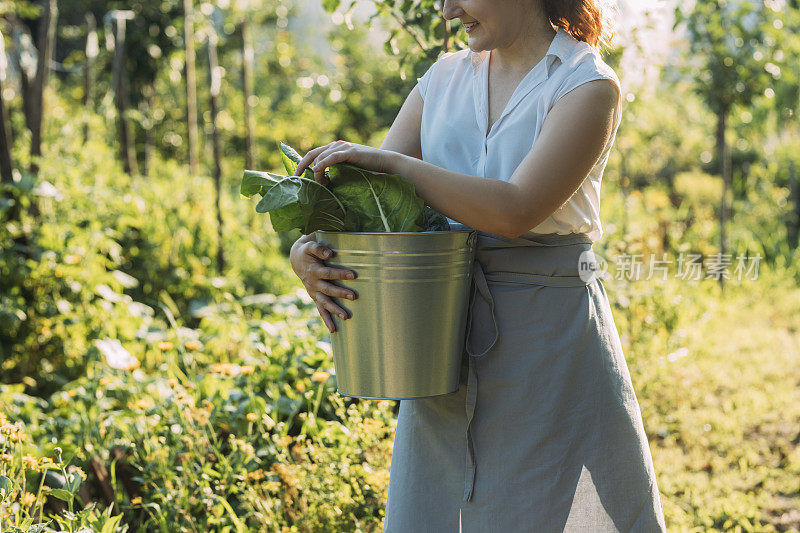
[{"x": 405, "y": 338}]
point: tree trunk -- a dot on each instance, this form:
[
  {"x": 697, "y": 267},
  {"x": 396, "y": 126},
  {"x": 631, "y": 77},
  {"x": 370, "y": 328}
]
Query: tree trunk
[
  {"x": 92, "y": 50},
  {"x": 214, "y": 82},
  {"x": 6, "y": 166},
  {"x": 122, "y": 98},
  {"x": 23, "y": 48},
  {"x": 247, "y": 84},
  {"x": 724, "y": 158},
  {"x": 446, "y": 35},
  {"x": 47, "y": 31},
  {"x": 191, "y": 86},
  {"x": 147, "y": 110},
  {"x": 794, "y": 224}
]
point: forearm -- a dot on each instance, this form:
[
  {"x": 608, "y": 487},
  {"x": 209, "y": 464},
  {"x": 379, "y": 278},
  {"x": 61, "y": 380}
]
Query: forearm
[{"x": 486, "y": 204}]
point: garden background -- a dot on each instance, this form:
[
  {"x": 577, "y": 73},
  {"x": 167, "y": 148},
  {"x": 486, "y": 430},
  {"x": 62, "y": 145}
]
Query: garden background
[{"x": 161, "y": 368}]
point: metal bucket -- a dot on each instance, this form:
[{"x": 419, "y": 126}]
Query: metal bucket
[{"x": 405, "y": 338}]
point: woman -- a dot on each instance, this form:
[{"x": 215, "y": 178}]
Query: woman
[{"x": 545, "y": 432}]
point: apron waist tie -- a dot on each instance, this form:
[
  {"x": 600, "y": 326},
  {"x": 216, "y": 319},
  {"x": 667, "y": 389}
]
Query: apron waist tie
[{"x": 482, "y": 334}]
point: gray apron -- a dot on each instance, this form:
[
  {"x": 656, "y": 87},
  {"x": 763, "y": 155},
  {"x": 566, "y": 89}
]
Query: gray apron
[{"x": 544, "y": 432}]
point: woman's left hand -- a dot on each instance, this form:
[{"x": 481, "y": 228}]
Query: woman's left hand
[{"x": 359, "y": 155}]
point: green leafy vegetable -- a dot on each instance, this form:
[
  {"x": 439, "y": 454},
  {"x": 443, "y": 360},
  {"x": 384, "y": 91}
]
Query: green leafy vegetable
[
  {"x": 320, "y": 207},
  {"x": 291, "y": 159},
  {"x": 433, "y": 220},
  {"x": 356, "y": 199},
  {"x": 381, "y": 202},
  {"x": 294, "y": 202},
  {"x": 284, "y": 217}
]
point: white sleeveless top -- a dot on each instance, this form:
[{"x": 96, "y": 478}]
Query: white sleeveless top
[{"x": 453, "y": 130}]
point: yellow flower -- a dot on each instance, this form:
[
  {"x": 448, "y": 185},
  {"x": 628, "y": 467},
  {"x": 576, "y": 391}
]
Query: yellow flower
[
  {"x": 30, "y": 462},
  {"x": 255, "y": 475},
  {"x": 14, "y": 432},
  {"x": 173, "y": 382},
  {"x": 226, "y": 368},
  {"x": 137, "y": 500},
  {"x": 165, "y": 346},
  {"x": 193, "y": 345},
  {"x": 72, "y": 393},
  {"x": 301, "y": 386},
  {"x": 287, "y": 473},
  {"x": 284, "y": 441},
  {"x": 184, "y": 398},
  {"x": 379, "y": 478},
  {"x": 297, "y": 452},
  {"x": 77, "y": 470},
  {"x": 247, "y": 370},
  {"x": 28, "y": 499},
  {"x": 200, "y": 416},
  {"x": 320, "y": 376},
  {"x": 105, "y": 381},
  {"x": 6, "y": 458},
  {"x": 141, "y": 404},
  {"x": 252, "y": 417}
]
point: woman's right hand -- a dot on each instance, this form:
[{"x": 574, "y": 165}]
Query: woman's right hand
[{"x": 306, "y": 258}]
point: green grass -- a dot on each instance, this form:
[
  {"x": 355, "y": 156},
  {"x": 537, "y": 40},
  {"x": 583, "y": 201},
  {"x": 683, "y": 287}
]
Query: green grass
[{"x": 724, "y": 419}]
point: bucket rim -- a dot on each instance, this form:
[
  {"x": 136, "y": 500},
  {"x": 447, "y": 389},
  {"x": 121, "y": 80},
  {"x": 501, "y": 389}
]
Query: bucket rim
[{"x": 394, "y": 232}]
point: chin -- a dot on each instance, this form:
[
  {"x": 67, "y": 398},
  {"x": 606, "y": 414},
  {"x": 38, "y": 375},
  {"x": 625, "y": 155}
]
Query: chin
[{"x": 475, "y": 47}]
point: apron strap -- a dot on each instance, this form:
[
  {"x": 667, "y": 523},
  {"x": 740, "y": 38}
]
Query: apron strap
[
  {"x": 482, "y": 333},
  {"x": 472, "y": 395},
  {"x": 481, "y": 336}
]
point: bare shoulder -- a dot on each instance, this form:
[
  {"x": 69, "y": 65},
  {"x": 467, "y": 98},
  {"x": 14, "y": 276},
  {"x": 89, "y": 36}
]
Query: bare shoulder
[
  {"x": 585, "y": 76},
  {"x": 590, "y": 101},
  {"x": 601, "y": 91}
]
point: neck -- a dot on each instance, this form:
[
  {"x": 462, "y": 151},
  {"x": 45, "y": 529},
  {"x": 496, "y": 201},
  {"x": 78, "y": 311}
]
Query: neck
[{"x": 526, "y": 50}]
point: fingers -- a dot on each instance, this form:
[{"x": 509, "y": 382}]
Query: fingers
[
  {"x": 329, "y": 154},
  {"x": 325, "y": 160},
  {"x": 317, "y": 250},
  {"x": 331, "y": 306},
  {"x": 334, "y": 290},
  {"x": 320, "y": 271},
  {"x": 326, "y": 317},
  {"x": 308, "y": 158}
]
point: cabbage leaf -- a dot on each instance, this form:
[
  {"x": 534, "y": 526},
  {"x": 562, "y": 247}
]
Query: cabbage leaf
[{"x": 355, "y": 199}]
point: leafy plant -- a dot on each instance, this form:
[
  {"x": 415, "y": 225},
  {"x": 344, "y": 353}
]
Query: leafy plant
[
  {"x": 294, "y": 202},
  {"x": 356, "y": 199}
]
